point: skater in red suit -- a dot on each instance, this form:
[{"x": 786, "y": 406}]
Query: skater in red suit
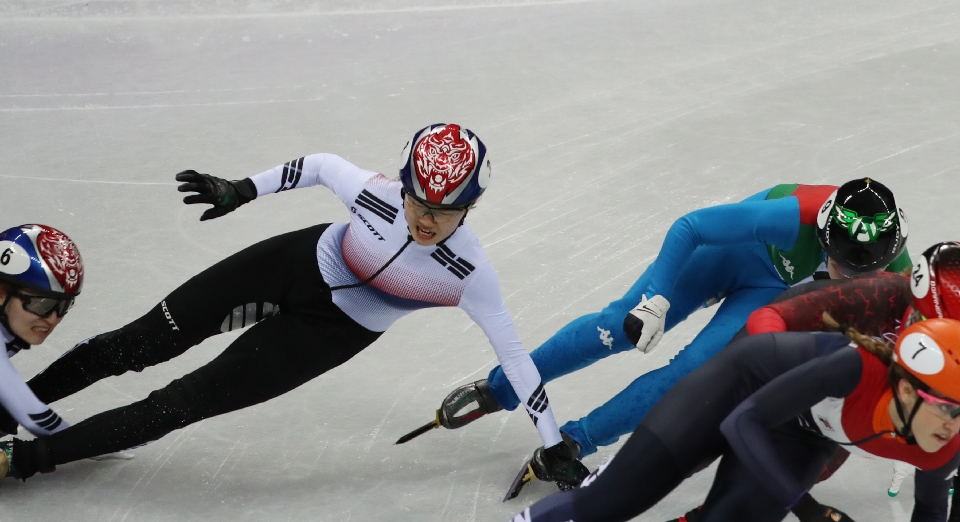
[
  {"x": 879, "y": 306},
  {"x": 775, "y": 407}
]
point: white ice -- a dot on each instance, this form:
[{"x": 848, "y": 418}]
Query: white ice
[{"x": 606, "y": 120}]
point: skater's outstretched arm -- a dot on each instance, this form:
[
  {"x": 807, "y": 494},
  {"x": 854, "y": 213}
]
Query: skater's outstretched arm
[
  {"x": 339, "y": 175},
  {"x": 772, "y": 222},
  {"x": 484, "y": 304},
  {"x": 873, "y": 305},
  {"x": 747, "y": 428},
  {"x": 17, "y": 398}
]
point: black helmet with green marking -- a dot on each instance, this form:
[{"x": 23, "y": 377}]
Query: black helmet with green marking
[{"x": 861, "y": 227}]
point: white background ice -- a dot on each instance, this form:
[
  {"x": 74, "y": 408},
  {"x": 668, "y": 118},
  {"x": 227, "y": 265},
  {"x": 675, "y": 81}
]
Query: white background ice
[{"x": 606, "y": 120}]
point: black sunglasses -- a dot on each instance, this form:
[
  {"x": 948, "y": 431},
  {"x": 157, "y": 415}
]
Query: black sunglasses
[{"x": 44, "y": 306}]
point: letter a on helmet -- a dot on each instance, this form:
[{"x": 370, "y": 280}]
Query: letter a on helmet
[{"x": 861, "y": 227}]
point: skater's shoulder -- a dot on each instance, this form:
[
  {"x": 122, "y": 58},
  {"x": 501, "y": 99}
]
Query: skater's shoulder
[
  {"x": 381, "y": 182},
  {"x": 11, "y": 344}
]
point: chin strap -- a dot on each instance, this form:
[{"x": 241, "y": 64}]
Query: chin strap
[
  {"x": 18, "y": 343},
  {"x": 907, "y": 431},
  {"x": 3, "y": 315}
]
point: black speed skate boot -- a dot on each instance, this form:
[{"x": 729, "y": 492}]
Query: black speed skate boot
[
  {"x": 809, "y": 510},
  {"x": 462, "y": 406},
  {"x": 467, "y": 404},
  {"x": 560, "y": 464}
]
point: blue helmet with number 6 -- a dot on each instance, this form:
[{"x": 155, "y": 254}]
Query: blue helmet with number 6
[
  {"x": 42, "y": 259},
  {"x": 445, "y": 165}
]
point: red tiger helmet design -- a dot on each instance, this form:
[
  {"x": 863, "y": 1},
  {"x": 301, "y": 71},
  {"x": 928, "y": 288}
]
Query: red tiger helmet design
[{"x": 445, "y": 165}]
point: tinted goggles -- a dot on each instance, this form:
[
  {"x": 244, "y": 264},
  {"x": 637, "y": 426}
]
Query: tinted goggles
[
  {"x": 849, "y": 272},
  {"x": 439, "y": 215},
  {"x": 44, "y": 306},
  {"x": 945, "y": 407}
]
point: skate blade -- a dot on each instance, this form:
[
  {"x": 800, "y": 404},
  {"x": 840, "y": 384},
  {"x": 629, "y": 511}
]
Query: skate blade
[
  {"x": 525, "y": 477},
  {"x": 119, "y": 455},
  {"x": 434, "y": 424}
]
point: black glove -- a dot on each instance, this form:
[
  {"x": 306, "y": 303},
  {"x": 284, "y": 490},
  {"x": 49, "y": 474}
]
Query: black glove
[
  {"x": 8, "y": 425},
  {"x": 809, "y": 510},
  {"x": 225, "y": 196},
  {"x": 559, "y": 464}
]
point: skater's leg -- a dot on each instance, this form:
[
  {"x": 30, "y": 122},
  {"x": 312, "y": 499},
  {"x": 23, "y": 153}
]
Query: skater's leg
[
  {"x": 736, "y": 493},
  {"x": 243, "y": 288},
  {"x": 592, "y": 337},
  {"x": 681, "y": 433},
  {"x": 272, "y": 358},
  {"x": 955, "y": 503},
  {"x": 578, "y": 344},
  {"x": 639, "y": 476},
  {"x": 621, "y": 414},
  {"x": 900, "y": 471}
]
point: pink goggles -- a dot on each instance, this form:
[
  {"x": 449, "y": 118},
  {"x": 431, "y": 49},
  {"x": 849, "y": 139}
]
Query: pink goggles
[{"x": 944, "y": 406}]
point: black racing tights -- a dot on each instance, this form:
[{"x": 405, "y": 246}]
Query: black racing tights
[
  {"x": 298, "y": 334},
  {"x": 644, "y": 471},
  {"x": 681, "y": 435}
]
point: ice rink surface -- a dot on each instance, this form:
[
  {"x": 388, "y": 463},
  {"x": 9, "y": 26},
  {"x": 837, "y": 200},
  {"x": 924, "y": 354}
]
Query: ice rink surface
[{"x": 605, "y": 120}]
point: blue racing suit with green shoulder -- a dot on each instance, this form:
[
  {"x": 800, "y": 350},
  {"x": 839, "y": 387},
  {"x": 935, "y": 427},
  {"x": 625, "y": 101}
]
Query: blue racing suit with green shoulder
[{"x": 744, "y": 254}]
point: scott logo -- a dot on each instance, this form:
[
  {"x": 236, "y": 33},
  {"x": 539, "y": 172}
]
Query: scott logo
[
  {"x": 166, "y": 313},
  {"x": 369, "y": 226}
]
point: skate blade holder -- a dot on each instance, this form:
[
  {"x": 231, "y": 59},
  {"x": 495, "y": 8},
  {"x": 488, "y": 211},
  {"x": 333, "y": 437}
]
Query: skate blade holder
[
  {"x": 525, "y": 477},
  {"x": 432, "y": 425}
]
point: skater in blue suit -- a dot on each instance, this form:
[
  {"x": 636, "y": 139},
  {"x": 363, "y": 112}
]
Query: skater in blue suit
[{"x": 742, "y": 255}]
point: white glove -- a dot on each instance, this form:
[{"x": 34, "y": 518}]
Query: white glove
[{"x": 644, "y": 324}]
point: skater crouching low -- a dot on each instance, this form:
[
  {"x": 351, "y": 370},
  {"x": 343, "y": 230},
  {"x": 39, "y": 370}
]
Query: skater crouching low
[
  {"x": 312, "y": 299},
  {"x": 41, "y": 274},
  {"x": 775, "y": 407}
]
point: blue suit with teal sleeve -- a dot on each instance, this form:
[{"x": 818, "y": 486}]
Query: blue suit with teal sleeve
[{"x": 710, "y": 254}]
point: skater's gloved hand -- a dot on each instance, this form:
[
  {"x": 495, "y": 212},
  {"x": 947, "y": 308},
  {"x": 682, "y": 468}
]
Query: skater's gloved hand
[
  {"x": 809, "y": 510},
  {"x": 559, "y": 464},
  {"x": 225, "y": 196},
  {"x": 644, "y": 324}
]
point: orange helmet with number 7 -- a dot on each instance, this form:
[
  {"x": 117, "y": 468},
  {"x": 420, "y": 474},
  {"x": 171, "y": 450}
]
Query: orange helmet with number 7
[{"x": 930, "y": 352}]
